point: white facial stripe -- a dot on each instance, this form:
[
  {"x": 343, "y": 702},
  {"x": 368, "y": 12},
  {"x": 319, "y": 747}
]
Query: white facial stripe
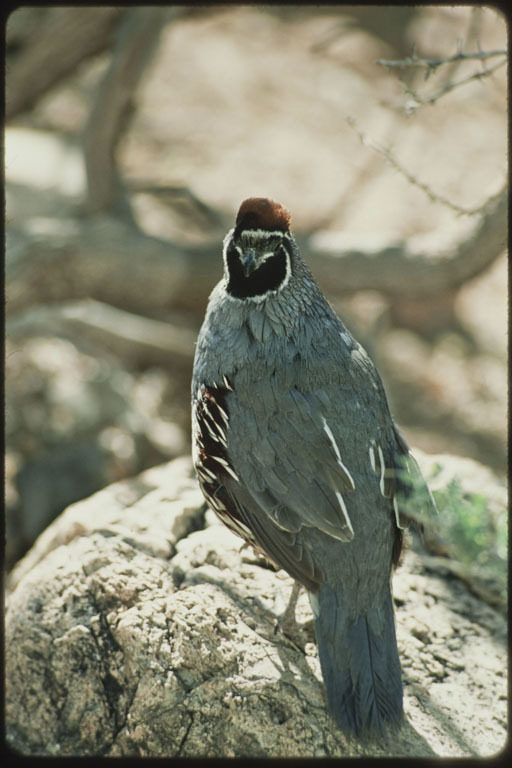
[
  {"x": 260, "y": 258},
  {"x": 261, "y": 234}
]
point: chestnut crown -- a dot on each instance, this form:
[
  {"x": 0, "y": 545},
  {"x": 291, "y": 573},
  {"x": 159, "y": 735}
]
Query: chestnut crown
[
  {"x": 258, "y": 252},
  {"x": 262, "y": 213}
]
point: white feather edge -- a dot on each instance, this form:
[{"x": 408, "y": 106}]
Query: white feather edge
[{"x": 336, "y": 450}]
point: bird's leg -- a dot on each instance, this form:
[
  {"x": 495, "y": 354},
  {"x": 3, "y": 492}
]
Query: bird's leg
[{"x": 287, "y": 622}]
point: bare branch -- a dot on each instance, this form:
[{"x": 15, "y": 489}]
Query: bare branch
[
  {"x": 402, "y": 271},
  {"x": 110, "y": 261},
  {"x": 433, "y": 196},
  {"x": 449, "y": 86},
  {"x": 432, "y": 64},
  {"x": 64, "y": 38},
  {"x": 130, "y": 336},
  {"x": 138, "y": 35},
  {"x": 107, "y": 259}
]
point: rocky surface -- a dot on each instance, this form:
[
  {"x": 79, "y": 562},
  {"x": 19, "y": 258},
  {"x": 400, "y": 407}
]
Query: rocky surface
[{"x": 136, "y": 626}]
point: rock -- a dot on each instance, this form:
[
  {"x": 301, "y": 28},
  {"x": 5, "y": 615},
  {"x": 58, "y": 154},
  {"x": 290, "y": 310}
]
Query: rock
[
  {"x": 135, "y": 626},
  {"x": 75, "y": 422}
]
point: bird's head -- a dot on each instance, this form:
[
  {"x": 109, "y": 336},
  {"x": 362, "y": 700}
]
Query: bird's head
[{"x": 258, "y": 250}]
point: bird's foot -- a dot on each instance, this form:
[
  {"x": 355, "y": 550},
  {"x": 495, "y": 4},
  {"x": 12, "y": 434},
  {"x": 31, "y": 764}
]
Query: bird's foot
[{"x": 287, "y": 622}]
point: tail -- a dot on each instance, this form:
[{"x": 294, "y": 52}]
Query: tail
[{"x": 360, "y": 664}]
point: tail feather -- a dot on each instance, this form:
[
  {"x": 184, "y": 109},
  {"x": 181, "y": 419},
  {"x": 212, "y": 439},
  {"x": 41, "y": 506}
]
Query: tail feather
[{"x": 360, "y": 663}]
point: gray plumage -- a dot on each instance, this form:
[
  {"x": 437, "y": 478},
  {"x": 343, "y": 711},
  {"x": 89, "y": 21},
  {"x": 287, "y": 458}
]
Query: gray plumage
[{"x": 302, "y": 409}]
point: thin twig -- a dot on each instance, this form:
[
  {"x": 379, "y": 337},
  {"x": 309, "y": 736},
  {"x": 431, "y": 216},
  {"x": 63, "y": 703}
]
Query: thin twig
[
  {"x": 431, "y": 65},
  {"x": 433, "y": 196},
  {"x": 451, "y": 85},
  {"x": 420, "y": 61}
]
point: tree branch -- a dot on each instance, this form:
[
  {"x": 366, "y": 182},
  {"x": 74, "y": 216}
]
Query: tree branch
[
  {"x": 107, "y": 122},
  {"x": 65, "y": 38},
  {"x": 111, "y": 261},
  {"x": 133, "y": 338},
  {"x": 398, "y": 270},
  {"x": 432, "y": 64},
  {"x": 449, "y": 86},
  {"x": 108, "y": 260},
  {"x": 433, "y": 196}
]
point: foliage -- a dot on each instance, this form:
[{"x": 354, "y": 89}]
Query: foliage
[
  {"x": 477, "y": 532},
  {"x": 474, "y": 531}
]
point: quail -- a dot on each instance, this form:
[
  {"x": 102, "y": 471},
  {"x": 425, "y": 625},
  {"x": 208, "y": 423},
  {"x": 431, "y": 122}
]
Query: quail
[{"x": 296, "y": 451}]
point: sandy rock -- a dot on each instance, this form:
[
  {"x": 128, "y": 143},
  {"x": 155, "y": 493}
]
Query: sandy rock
[{"x": 136, "y": 627}]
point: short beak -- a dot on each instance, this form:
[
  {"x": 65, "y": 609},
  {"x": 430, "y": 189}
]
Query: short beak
[{"x": 249, "y": 261}]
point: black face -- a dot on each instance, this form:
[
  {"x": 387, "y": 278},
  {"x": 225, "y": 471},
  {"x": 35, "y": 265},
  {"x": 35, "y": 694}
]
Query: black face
[{"x": 267, "y": 276}]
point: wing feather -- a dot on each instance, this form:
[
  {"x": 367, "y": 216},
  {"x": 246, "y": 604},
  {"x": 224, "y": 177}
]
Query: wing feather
[{"x": 294, "y": 470}]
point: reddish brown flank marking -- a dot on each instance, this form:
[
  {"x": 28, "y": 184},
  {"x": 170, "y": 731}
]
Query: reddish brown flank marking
[{"x": 262, "y": 213}]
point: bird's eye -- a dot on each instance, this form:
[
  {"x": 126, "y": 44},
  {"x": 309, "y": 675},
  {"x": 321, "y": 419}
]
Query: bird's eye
[{"x": 234, "y": 251}]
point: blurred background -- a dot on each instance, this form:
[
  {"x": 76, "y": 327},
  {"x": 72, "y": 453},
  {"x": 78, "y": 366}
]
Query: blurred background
[{"x": 133, "y": 134}]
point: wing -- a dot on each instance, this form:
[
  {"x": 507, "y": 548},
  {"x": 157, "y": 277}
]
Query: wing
[
  {"x": 284, "y": 548},
  {"x": 322, "y": 459},
  {"x": 229, "y": 498},
  {"x": 411, "y": 495},
  {"x": 304, "y": 456},
  {"x": 291, "y": 465}
]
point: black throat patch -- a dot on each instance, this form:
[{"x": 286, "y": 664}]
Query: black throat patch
[{"x": 268, "y": 277}]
